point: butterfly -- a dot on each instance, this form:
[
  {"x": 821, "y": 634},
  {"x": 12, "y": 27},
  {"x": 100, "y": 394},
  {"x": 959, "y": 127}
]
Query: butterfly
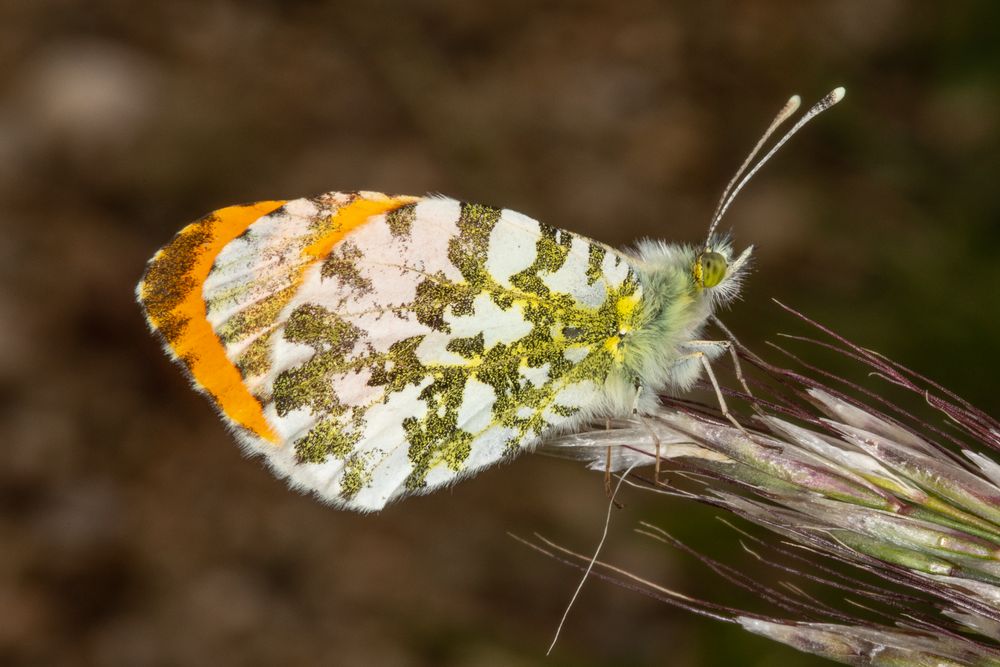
[{"x": 371, "y": 346}]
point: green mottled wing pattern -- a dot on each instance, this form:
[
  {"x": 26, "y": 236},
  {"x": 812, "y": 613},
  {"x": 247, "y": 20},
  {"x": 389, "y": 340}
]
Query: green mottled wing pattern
[{"x": 431, "y": 341}]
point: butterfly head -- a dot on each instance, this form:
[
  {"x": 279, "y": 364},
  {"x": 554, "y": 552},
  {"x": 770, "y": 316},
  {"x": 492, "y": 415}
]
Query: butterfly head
[
  {"x": 710, "y": 273},
  {"x": 715, "y": 270},
  {"x": 709, "y": 268}
]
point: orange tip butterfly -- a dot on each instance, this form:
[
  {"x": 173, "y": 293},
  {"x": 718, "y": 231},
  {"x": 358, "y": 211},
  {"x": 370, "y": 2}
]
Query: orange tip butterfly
[{"x": 371, "y": 346}]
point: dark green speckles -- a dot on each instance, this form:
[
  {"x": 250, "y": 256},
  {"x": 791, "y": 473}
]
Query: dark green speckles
[
  {"x": 309, "y": 385},
  {"x": 322, "y": 329},
  {"x": 499, "y": 369},
  {"x": 434, "y": 439},
  {"x": 325, "y": 439},
  {"x": 438, "y": 437},
  {"x": 470, "y": 348},
  {"x": 168, "y": 278},
  {"x": 256, "y": 317},
  {"x": 468, "y": 249},
  {"x": 551, "y": 250},
  {"x": 552, "y": 247},
  {"x": 540, "y": 349},
  {"x": 444, "y": 393},
  {"x": 400, "y": 221},
  {"x": 457, "y": 451},
  {"x": 564, "y": 410},
  {"x": 399, "y": 368},
  {"x": 256, "y": 359},
  {"x": 595, "y": 258},
  {"x": 356, "y": 476},
  {"x": 342, "y": 264},
  {"x": 437, "y": 293}
]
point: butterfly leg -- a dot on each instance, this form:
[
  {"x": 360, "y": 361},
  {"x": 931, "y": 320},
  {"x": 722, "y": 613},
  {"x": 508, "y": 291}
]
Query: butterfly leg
[
  {"x": 732, "y": 343},
  {"x": 729, "y": 346},
  {"x": 703, "y": 357}
]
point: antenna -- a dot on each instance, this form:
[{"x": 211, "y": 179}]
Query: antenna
[
  {"x": 791, "y": 106},
  {"x": 729, "y": 194}
]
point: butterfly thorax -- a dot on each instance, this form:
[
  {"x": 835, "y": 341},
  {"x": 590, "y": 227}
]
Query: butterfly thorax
[{"x": 674, "y": 310}]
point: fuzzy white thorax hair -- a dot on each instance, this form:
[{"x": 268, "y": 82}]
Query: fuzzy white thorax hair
[{"x": 679, "y": 309}]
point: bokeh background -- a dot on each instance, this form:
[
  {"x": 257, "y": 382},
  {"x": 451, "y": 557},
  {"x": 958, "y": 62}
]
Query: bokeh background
[{"x": 132, "y": 532}]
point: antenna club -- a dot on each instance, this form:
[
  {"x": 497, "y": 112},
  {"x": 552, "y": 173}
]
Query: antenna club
[{"x": 741, "y": 178}]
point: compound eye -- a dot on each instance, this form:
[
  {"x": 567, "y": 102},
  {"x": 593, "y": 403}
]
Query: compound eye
[{"x": 710, "y": 269}]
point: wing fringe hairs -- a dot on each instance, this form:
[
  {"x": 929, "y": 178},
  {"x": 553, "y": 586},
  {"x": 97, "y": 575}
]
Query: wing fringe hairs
[{"x": 847, "y": 494}]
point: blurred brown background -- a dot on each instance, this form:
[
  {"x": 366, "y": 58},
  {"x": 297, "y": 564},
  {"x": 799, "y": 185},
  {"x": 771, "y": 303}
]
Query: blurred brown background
[{"x": 132, "y": 532}]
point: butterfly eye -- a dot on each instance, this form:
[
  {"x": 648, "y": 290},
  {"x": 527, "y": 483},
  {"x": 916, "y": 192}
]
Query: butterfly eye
[
  {"x": 572, "y": 332},
  {"x": 710, "y": 269}
]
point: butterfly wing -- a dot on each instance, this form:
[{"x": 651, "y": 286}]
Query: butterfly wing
[{"x": 389, "y": 345}]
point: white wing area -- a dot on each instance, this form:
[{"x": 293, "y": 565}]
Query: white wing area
[{"x": 425, "y": 346}]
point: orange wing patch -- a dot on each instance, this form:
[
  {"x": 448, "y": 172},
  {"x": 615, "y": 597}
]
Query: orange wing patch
[
  {"x": 171, "y": 293},
  {"x": 354, "y": 214}
]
